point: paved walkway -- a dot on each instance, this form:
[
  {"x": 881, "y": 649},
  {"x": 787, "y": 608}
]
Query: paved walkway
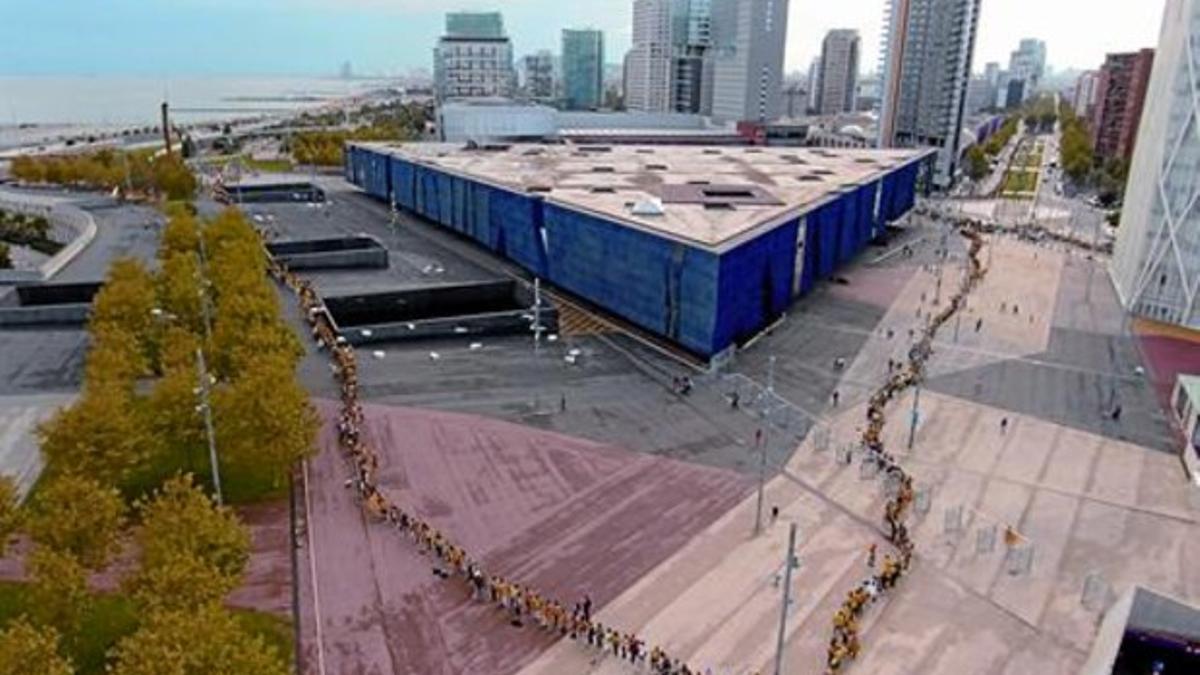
[
  {"x": 19, "y": 417},
  {"x": 1084, "y": 503},
  {"x": 561, "y": 514}
]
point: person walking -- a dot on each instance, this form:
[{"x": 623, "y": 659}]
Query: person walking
[{"x": 871, "y": 556}]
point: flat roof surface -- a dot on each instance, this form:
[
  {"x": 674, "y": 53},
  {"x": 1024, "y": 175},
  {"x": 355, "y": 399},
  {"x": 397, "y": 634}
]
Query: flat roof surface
[{"x": 611, "y": 180}]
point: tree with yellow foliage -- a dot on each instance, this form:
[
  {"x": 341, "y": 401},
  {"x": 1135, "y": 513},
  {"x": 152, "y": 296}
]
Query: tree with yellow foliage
[
  {"x": 102, "y": 435},
  {"x": 264, "y": 419},
  {"x": 25, "y": 648},
  {"x": 204, "y": 641},
  {"x": 77, "y": 515},
  {"x": 58, "y": 590}
]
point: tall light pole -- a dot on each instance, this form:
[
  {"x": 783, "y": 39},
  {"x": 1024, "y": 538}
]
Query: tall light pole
[
  {"x": 789, "y": 563},
  {"x": 912, "y": 429},
  {"x": 762, "y": 477},
  {"x": 205, "y": 407}
]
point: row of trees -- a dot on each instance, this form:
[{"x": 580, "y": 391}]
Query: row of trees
[
  {"x": 979, "y": 156},
  {"x": 1081, "y": 164},
  {"x": 134, "y": 174},
  {"x": 385, "y": 122},
  {"x": 1040, "y": 114},
  {"x": 324, "y": 148},
  {"x": 1076, "y": 146},
  {"x": 137, "y": 412},
  {"x": 128, "y": 440}
]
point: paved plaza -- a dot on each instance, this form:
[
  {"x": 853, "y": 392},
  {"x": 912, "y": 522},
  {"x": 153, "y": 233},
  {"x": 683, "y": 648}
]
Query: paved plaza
[{"x": 1084, "y": 502}]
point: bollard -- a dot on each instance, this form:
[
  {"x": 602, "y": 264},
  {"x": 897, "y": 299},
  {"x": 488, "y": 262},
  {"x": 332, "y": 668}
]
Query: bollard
[
  {"x": 985, "y": 540},
  {"x": 952, "y": 522}
]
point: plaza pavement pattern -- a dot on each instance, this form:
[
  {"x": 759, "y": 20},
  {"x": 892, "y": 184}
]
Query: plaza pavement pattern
[
  {"x": 1084, "y": 504},
  {"x": 564, "y": 515}
]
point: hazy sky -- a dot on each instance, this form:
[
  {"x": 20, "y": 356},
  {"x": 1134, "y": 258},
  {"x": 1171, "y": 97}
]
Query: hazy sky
[{"x": 169, "y": 37}]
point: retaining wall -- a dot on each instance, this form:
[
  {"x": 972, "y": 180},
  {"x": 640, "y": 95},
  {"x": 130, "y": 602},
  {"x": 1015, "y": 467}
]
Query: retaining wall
[
  {"x": 64, "y": 215},
  {"x": 341, "y": 253}
]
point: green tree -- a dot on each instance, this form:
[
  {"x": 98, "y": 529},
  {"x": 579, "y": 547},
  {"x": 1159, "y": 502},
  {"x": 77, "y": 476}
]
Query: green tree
[
  {"x": 206, "y": 641},
  {"x": 172, "y": 178},
  {"x": 170, "y": 409},
  {"x": 180, "y": 520},
  {"x": 264, "y": 419},
  {"x": 79, "y": 516},
  {"x": 26, "y": 649},
  {"x": 977, "y": 163},
  {"x": 180, "y": 582},
  {"x": 5, "y": 257},
  {"x": 114, "y": 359},
  {"x": 179, "y": 291},
  {"x": 180, "y": 236},
  {"x": 102, "y": 435},
  {"x": 127, "y": 301},
  {"x": 58, "y": 590}
]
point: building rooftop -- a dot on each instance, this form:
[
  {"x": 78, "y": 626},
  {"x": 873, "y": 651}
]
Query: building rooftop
[
  {"x": 712, "y": 197},
  {"x": 1191, "y": 385}
]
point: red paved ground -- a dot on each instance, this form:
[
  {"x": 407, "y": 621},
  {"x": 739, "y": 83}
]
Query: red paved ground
[
  {"x": 1169, "y": 353},
  {"x": 567, "y": 515},
  {"x": 267, "y": 585}
]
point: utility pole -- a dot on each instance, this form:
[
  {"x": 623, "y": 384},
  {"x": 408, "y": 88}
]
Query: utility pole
[
  {"x": 771, "y": 375},
  {"x": 788, "y": 564}
]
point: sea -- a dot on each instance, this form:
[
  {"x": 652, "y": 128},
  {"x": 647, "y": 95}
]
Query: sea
[{"x": 33, "y": 107}]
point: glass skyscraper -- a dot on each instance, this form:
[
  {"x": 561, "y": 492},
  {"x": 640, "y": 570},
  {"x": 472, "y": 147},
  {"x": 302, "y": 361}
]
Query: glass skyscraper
[{"x": 583, "y": 69}]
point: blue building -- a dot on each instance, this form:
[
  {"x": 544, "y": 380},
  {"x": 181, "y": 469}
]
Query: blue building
[
  {"x": 583, "y": 69},
  {"x": 703, "y": 246}
]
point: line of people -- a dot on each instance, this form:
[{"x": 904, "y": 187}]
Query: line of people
[
  {"x": 845, "y": 644},
  {"x": 521, "y": 603}
]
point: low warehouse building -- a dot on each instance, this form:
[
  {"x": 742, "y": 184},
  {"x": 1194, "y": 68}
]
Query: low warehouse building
[{"x": 702, "y": 246}]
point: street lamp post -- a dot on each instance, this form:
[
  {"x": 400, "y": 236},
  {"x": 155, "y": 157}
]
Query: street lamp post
[
  {"x": 912, "y": 428},
  {"x": 789, "y": 563},
  {"x": 761, "y": 440},
  {"x": 205, "y": 381},
  {"x": 206, "y": 408}
]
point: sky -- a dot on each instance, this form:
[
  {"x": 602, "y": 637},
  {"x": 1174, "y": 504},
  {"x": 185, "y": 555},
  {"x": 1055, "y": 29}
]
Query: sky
[{"x": 313, "y": 37}]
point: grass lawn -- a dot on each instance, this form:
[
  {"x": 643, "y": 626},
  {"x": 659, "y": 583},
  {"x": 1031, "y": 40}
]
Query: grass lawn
[
  {"x": 239, "y": 485},
  {"x": 114, "y": 616},
  {"x": 1017, "y": 181},
  {"x": 264, "y": 165}
]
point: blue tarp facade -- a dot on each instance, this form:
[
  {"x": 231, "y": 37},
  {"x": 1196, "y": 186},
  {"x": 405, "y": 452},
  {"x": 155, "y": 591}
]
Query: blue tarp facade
[{"x": 697, "y": 298}]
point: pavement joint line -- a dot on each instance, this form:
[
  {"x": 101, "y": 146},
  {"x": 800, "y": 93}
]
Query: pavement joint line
[
  {"x": 312, "y": 570},
  {"x": 1083, "y": 496},
  {"x": 826, "y": 499},
  {"x": 892, "y": 253},
  {"x": 951, "y": 346}
]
